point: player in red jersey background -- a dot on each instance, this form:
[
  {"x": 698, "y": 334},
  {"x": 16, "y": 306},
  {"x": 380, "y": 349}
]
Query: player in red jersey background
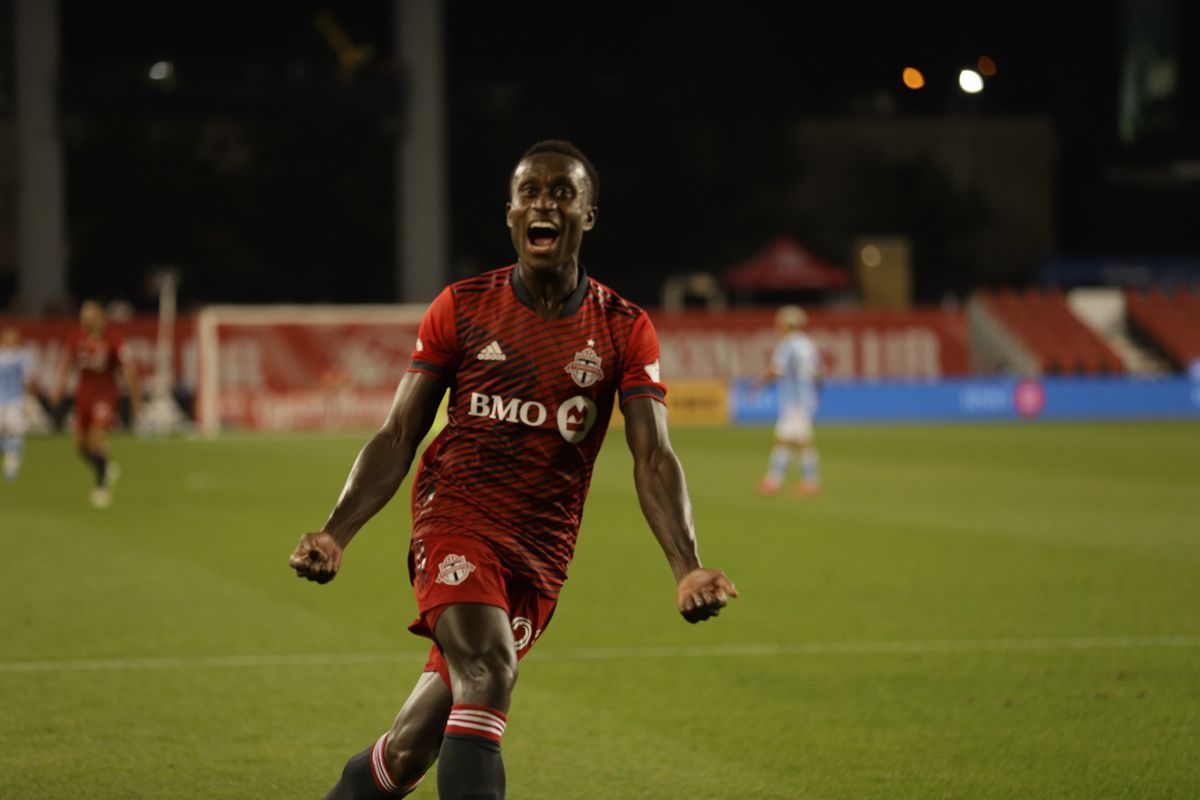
[
  {"x": 535, "y": 356},
  {"x": 98, "y": 355}
]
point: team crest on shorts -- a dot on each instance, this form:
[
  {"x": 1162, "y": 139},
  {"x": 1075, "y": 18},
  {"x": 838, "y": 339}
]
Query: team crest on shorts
[
  {"x": 454, "y": 569},
  {"x": 585, "y": 369}
]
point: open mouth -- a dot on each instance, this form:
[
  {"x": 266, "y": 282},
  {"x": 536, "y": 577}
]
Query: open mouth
[{"x": 542, "y": 236}]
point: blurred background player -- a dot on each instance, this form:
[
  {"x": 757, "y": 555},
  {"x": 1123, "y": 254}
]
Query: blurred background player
[
  {"x": 15, "y": 374},
  {"x": 98, "y": 355},
  {"x": 796, "y": 369}
]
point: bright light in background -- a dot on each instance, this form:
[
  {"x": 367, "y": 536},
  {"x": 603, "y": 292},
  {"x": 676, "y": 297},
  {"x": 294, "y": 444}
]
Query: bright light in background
[
  {"x": 970, "y": 81},
  {"x": 161, "y": 70},
  {"x": 913, "y": 78},
  {"x": 987, "y": 67},
  {"x": 871, "y": 256}
]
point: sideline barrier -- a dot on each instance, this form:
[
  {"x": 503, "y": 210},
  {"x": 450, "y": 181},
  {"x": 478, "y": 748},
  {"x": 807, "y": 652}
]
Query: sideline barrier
[
  {"x": 693, "y": 404},
  {"x": 290, "y": 368},
  {"x": 992, "y": 399}
]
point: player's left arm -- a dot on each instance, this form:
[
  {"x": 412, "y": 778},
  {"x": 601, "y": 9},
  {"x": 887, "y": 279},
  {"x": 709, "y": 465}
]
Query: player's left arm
[{"x": 662, "y": 491}]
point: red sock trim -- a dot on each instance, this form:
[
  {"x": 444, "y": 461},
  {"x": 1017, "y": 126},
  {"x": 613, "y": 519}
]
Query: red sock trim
[{"x": 481, "y": 721}]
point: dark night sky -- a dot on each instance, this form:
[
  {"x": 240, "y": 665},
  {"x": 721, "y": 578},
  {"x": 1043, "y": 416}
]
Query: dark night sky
[{"x": 683, "y": 111}]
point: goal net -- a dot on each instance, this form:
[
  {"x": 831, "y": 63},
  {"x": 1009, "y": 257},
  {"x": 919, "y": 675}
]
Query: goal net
[{"x": 287, "y": 368}]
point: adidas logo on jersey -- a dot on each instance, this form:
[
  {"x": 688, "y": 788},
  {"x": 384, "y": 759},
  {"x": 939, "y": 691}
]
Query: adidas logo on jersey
[{"x": 492, "y": 352}]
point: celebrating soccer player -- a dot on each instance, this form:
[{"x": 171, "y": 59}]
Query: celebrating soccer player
[
  {"x": 98, "y": 354},
  {"x": 535, "y": 355}
]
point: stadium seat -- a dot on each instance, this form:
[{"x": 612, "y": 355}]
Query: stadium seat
[
  {"x": 1170, "y": 322},
  {"x": 1056, "y": 338}
]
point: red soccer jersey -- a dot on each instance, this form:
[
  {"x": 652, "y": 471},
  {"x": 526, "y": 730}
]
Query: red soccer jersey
[
  {"x": 530, "y": 401},
  {"x": 97, "y": 358}
]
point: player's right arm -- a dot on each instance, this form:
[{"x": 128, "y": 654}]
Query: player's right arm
[{"x": 377, "y": 473}]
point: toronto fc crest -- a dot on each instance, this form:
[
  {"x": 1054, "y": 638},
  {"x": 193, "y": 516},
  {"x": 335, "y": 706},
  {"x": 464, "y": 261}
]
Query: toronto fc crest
[
  {"x": 454, "y": 569},
  {"x": 585, "y": 369}
]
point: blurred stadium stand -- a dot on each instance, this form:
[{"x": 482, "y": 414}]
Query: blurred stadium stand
[
  {"x": 1054, "y": 340},
  {"x": 1169, "y": 321}
]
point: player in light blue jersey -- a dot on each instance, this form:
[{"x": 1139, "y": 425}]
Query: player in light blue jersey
[
  {"x": 15, "y": 373},
  {"x": 795, "y": 368}
]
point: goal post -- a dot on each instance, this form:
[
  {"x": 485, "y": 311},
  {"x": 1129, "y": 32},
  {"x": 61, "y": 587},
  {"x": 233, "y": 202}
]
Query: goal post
[{"x": 299, "y": 367}]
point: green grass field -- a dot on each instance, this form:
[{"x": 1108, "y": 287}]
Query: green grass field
[{"x": 966, "y": 612}]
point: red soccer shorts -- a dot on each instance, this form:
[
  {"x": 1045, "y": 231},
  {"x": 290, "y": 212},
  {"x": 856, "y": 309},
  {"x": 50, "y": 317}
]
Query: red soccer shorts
[
  {"x": 95, "y": 410},
  {"x": 462, "y": 569}
]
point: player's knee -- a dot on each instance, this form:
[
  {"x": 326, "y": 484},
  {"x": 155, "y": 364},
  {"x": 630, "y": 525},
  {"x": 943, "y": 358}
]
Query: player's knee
[{"x": 489, "y": 672}]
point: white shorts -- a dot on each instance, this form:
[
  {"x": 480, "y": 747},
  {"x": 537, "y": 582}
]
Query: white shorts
[
  {"x": 794, "y": 426},
  {"x": 12, "y": 419}
]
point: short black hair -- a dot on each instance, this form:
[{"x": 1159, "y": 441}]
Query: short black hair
[{"x": 563, "y": 147}]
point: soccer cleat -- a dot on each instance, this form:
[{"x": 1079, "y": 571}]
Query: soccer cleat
[
  {"x": 767, "y": 487},
  {"x": 101, "y": 497},
  {"x": 807, "y": 489}
]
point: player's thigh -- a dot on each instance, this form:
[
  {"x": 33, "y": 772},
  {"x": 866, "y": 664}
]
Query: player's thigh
[
  {"x": 470, "y": 631},
  {"x": 79, "y": 435},
  {"x": 477, "y": 642},
  {"x": 104, "y": 413},
  {"x": 82, "y": 413},
  {"x": 794, "y": 428}
]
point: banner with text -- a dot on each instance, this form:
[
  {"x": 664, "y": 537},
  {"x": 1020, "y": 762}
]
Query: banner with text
[{"x": 854, "y": 344}]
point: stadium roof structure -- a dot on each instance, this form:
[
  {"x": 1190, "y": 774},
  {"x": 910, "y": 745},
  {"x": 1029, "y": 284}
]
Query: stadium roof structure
[{"x": 782, "y": 266}]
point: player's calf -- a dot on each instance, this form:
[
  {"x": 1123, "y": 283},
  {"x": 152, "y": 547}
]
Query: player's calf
[
  {"x": 12, "y": 457},
  {"x": 367, "y": 776},
  {"x": 96, "y": 459}
]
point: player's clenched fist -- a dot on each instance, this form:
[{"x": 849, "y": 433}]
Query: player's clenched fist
[
  {"x": 317, "y": 557},
  {"x": 702, "y": 593}
]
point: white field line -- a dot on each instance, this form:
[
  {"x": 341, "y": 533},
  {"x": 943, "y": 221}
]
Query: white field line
[{"x": 915, "y": 647}]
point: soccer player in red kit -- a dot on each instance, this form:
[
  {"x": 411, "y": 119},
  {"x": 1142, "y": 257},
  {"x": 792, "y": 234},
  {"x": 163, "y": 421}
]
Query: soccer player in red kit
[
  {"x": 535, "y": 355},
  {"x": 98, "y": 354}
]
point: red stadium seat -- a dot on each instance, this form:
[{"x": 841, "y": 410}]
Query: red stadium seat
[
  {"x": 1171, "y": 322},
  {"x": 1058, "y": 340}
]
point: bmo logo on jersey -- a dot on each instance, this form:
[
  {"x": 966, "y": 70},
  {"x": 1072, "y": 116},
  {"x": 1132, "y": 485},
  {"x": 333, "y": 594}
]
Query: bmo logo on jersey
[
  {"x": 575, "y": 417},
  {"x": 527, "y": 412}
]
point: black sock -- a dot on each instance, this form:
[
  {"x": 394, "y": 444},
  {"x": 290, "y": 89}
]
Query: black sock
[
  {"x": 356, "y": 782},
  {"x": 100, "y": 463},
  {"x": 97, "y": 461},
  {"x": 470, "y": 768}
]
